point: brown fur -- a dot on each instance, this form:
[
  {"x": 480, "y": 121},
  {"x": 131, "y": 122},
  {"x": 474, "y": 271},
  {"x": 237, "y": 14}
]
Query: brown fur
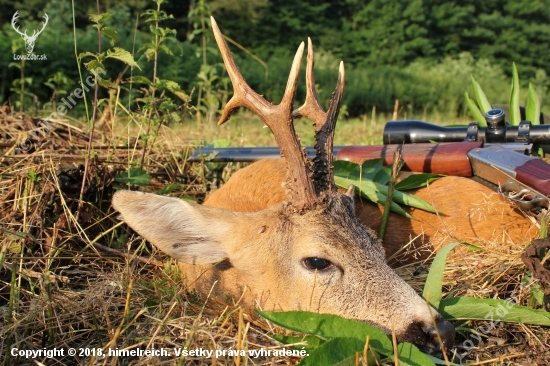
[{"x": 471, "y": 212}]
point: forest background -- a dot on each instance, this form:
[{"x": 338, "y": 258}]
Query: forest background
[{"x": 421, "y": 52}]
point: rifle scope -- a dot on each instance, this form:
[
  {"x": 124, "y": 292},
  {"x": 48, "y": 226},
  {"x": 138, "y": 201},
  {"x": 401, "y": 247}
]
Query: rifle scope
[{"x": 497, "y": 131}]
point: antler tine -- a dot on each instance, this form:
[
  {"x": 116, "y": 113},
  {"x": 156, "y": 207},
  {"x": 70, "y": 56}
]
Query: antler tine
[
  {"x": 277, "y": 117},
  {"x": 14, "y": 22},
  {"x": 324, "y": 122}
]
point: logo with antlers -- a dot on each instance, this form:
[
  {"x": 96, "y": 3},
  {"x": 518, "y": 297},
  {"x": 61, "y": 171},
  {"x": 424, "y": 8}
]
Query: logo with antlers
[{"x": 29, "y": 40}]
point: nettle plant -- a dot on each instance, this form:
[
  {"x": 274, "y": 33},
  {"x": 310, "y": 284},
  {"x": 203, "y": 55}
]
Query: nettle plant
[{"x": 155, "y": 107}]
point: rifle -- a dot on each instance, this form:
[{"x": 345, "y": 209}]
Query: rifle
[{"x": 499, "y": 154}]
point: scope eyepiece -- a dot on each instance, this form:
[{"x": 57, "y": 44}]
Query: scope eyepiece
[{"x": 495, "y": 118}]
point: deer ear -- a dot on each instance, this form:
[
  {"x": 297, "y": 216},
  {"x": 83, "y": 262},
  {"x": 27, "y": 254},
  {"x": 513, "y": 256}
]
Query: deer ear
[{"x": 188, "y": 232}]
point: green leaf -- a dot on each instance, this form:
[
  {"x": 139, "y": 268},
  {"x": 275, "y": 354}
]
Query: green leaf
[
  {"x": 482, "y": 100},
  {"x": 99, "y": 18},
  {"x": 416, "y": 181},
  {"x": 411, "y": 200},
  {"x": 473, "y": 248},
  {"x": 474, "y": 110},
  {"x": 371, "y": 191},
  {"x": 333, "y": 352},
  {"x": 409, "y": 354},
  {"x": 139, "y": 79},
  {"x": 515, "y": 116},
  {"x": 313, "y": 342},
  {"x": 344, "y": 168},
  {"x": 434, "y": 283},
  {"x": 94, "y": 66},
  {"x": 370, "y": 168},
  {"x": 16, "y": 236},
  {"x": 111, "y": 34},
  {"x": 330, "y": 326},
  {"x": 135, "y": 176},
  {"x": 537, "y": 294},
  {"x": 532, "y": 111},
  {"x": 122, "y": 55},
  {"x": 491, "y": 310},
  {"x": 86, "y": 54}
]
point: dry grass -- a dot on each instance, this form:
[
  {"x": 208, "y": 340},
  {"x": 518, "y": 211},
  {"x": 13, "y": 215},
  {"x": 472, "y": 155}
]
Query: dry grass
[{"x": 73, "y": 276}]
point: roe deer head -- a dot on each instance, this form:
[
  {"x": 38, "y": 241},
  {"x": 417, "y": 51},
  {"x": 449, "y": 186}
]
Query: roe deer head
[{"x": 308, "y": 253}]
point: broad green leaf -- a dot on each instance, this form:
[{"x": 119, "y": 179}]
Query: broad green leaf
[
  {"x": 100, "y": 18},
  {"x": 94, "y": 66},
  {"x": 515, "y": 116},
  {"x": 384, "y": 175},
  {"x": 140, "y": 79},
  {"x": 165, "y": 49},
  {"x": 111, "y": 34},
  {"x": 344, "y": 168},
  {"x": 106, "y": 83},
  {"x": 474, "y": 110},
  {"x": 409, "y": 354},
  {"x": 330, "y": 326},
  {"x": 416, "y": 181},
  {"x": 482, "y": 100},
  {"x": 122, "y": 55},
  {"x": 370, "y": 190},
  {"x": 335, "y": 351},
  {"x": 492, "y": 310},
  {"x": 313, "y": 342},
  {"x": 371, "y": 167},
  {"x": 86, "y": 54},
  {"x": 135, "y": 176},
  {"x": 532, "y": 111},
  {"x": 537, "y": 294},
  {"x": 433, "y": 287}
]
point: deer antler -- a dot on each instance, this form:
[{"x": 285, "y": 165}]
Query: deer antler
[
  {"x": 324, "y": 122},
  {"x": 43, "y": 27},
  {"x": 13, "y": 24},
  {"x": 279, "y": 120}
]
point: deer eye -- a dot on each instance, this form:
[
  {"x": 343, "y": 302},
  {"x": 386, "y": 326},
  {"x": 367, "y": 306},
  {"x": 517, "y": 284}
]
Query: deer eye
[{"x": 314, "y": 263}]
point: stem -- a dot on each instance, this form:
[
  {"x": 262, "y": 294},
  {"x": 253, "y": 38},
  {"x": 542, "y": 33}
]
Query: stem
[
  {"x": 22, "y": 86},
  {"x": 389, "y": 198},
  {"x": 153, "y": 88},
  {"x": 94, "y": 111}
]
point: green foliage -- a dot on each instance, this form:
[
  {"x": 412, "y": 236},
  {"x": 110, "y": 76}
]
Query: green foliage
[
  {"x": 434, "y": 283},
  {"x": 414, "y": 52},
  {"x": 515, "y": 117},
  {"x": 135, "y": 176},
  {"x": 371, "y": 179},
  {"x": 532, "y": 111},
  {"x": 493, "y": 310},
  {"x": 339, "y": 339}
]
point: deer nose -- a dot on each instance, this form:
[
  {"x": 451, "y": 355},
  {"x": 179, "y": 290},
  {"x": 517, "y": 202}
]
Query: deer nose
[{"x": 446, "y": 332}]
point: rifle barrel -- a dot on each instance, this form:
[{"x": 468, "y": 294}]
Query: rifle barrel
[{"x": 244, "y": 154}]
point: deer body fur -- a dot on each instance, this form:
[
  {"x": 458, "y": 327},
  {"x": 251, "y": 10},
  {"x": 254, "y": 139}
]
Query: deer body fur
[{"x": 470, "y": 211}]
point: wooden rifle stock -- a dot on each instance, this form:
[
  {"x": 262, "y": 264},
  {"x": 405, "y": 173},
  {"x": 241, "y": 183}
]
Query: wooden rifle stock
[{"x": 449, "y": 158}]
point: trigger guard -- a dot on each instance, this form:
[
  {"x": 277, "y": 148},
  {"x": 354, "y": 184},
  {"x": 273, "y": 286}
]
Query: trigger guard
[{"x": 523, "y": 196}]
